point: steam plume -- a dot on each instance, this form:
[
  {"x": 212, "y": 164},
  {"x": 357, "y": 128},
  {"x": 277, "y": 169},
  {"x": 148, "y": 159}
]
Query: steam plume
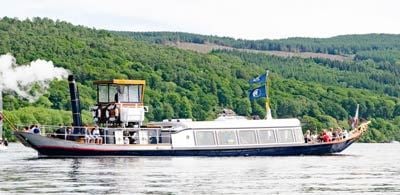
[{"x": 21, "y": 78}]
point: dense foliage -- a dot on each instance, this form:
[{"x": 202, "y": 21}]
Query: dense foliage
[{"x": 184, "y": 84}]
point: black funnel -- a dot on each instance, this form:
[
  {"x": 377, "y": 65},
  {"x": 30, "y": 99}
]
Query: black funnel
[{"x": 75, "y": 105}]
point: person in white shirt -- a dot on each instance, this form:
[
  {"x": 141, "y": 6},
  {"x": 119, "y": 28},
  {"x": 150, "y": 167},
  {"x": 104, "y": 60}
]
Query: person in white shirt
[
  {"x": 96, "y": 135},
  {"x": 88, "y": 136},
  {"x": 135, "y": 137}
]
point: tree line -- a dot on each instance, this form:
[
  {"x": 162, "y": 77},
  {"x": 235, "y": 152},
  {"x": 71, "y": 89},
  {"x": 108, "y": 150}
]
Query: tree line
[{"x": 344, "y": 44}]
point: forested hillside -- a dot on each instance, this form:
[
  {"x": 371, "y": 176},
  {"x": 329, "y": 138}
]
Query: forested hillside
[
  {"x": 344, "y": 44},
  {"x": 185, "y": 84}
]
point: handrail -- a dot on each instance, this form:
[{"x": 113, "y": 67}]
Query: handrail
[
  {"x": 159, "y": 138},
  {"x": 90, "y": 127}
]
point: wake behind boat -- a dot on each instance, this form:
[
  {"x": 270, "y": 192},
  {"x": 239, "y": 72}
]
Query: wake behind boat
[{"x": 119, "y": 131}]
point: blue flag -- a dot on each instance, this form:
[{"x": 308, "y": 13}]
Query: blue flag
[
  {"x": 260, "y": 79},
  {"x": 258, "y": 93}
]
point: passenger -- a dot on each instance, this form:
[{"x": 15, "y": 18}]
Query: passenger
[
  {"x": 69, "y": 130},
  {"x": 330, "y": 133},
  {"x": 26, "y": 129},
  {"x": 325, "y": 136},
  {"x": 340, "y": 133},
  {"x": 134, "y": 137},
  {"x": 116, "y": 98},
  {"x": 117, "y": 95},
  {"x": 88, "y": 136},
  {"x": 60, "y": 132},
  {"x": 321, "y": 136},
  {"x": 346, "y": 134},
  {"x": 314, "y": 137},
  {"x": 307, "y": 137},
  {"x": 31, "y": 128},
  {"x": 126, "y": 140},
  {"x": 96, "y": 134},
  {"x": 36, "y": 129},
  {"x": 334, "y": 135}
]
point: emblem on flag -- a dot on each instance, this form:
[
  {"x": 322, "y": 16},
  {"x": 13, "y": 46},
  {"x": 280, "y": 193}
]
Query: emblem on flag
[
  {"x": 258, "y": 93},
  {"x": 260, "y": 79}
]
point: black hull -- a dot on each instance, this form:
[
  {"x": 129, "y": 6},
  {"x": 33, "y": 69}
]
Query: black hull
[
  {"x": 272, "y": 151},
  {"x": 57, "y": 148}
]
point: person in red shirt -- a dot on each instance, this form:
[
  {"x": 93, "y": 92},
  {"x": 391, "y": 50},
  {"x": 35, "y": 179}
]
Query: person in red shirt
[{"x": 325, "y": 137}]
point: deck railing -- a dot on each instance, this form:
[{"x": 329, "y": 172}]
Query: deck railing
[{"x": 130, "y": 135}]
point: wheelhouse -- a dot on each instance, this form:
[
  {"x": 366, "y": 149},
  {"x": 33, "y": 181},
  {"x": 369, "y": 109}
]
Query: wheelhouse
[
  {"x": 120, "y": 91},
  {"x": 120, "y": 102}
]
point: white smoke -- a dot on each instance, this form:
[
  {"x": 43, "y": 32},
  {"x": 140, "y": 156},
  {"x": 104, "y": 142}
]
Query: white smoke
[{"x": 21, "y": 78}]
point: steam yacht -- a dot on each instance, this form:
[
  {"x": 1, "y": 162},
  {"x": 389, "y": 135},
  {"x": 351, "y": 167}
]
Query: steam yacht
[{"x": 119, "y": 116}]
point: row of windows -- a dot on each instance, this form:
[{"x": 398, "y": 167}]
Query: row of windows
[
  {"x": 120, "y": 93},
  {"x": 231, "y": 137}
]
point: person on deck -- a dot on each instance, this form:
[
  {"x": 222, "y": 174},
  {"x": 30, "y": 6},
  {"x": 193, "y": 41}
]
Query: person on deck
[
  {"x": 314, "y": 137},
  {"x": 88, "y": 136},
  {"x": 135, "y": 137},
  {"x": 334, "y": 135},
  {"x": 116, "y": 97},
  {"x": 31, "y": 128},
  {"x": 126, "y": 140},
  {"x": 346, "y": 134},
  {"x": 325, "y": 137},
  {"x": 26, "y": 129},
  {"x": 307, "y": 137},
  {"x": 96, "y": 134},
  {"x": 34, "y": 129}
]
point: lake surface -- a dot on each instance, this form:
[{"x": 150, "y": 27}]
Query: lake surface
[{"x": 362, "y": 168}]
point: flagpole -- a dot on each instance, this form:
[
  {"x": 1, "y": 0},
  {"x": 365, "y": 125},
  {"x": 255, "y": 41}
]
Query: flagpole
[{"x": 268, "y": 114}]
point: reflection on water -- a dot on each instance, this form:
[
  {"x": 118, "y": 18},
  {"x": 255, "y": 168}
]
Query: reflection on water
[{"x": 363, "y": 168}]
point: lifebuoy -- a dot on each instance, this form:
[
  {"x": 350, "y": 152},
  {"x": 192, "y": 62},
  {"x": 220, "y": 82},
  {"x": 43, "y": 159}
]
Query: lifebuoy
[
  {"x": 96, "y": 113},
  {"x": 108, "y": 112}
]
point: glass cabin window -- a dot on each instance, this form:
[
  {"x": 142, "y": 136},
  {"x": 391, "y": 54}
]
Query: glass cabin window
[
  {"x": 226, "y": 138},
  {"x": 134, "y": 93},
  {"x": 266, "y": 136},
  {"x": 205, "y": 138},
  {"x": 247, "y": 137},
  {"x": 123, "y": 93},
  {"x": 112, "y": 93},
  {"x": 285, "y": 135},
  {"x": 103, "y": 93},
  {"x": 120, "y": 93}
]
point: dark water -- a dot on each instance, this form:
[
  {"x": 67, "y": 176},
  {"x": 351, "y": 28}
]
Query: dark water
[{"x": 361, "y": 169}]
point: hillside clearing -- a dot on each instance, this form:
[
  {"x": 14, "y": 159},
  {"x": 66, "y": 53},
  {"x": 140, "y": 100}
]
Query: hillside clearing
[{"x": 208, "y": 47}]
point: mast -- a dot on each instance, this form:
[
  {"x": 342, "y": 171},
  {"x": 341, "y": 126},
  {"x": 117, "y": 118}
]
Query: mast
[{"x": 268, "y": 114}]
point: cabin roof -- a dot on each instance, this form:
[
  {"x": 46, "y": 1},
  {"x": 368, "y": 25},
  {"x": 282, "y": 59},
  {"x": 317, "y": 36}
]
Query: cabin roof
[
  {"x": 232, "y": 124},
  {"x": 121, "y": 82}
]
